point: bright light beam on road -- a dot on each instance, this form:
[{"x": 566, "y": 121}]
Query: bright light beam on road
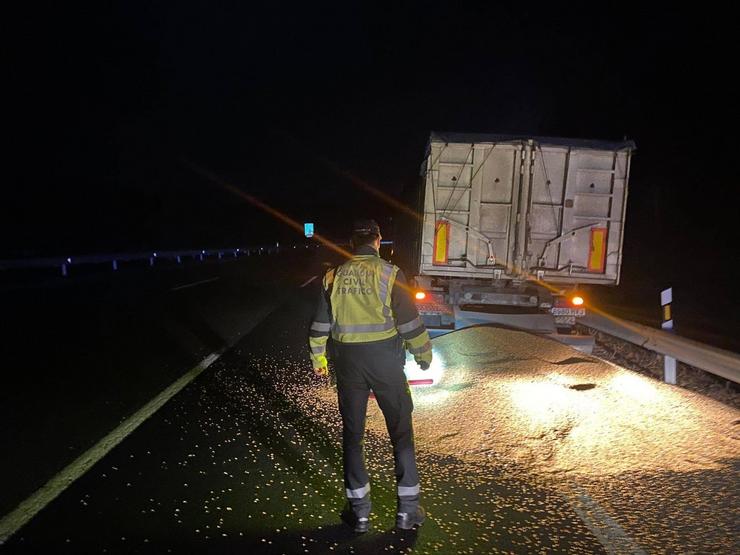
[{"x": 635, "y": 386}]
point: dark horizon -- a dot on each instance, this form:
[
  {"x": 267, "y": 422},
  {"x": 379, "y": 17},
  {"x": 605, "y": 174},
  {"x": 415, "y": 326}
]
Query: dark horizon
[{"x": 110, "y": 105}]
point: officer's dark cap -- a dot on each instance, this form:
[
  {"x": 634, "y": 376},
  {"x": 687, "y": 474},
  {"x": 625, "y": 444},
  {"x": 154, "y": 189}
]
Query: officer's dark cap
[{"x": 365, "y": 227}]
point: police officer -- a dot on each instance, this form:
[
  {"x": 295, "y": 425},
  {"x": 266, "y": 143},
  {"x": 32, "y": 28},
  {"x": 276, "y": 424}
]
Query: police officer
[{"x": 367, "y": 308}]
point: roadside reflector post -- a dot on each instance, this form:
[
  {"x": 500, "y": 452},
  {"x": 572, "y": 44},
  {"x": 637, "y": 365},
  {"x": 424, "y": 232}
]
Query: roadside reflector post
[
  {"x": 151, "y": 261},
  {"x": 669, "y": 363},
  {"x": 179, "y": 260},
  {"x": 115, "y": 265},
  {"x": 64, "y": 270}
]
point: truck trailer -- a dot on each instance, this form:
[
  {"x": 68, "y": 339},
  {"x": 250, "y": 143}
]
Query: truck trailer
[{"x": 513, "y": 230}]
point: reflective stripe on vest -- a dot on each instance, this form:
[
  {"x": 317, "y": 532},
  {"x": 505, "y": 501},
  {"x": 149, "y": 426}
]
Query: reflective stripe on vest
[
  {"x": 410, "y": 326},
  {"x": 365, "y": 328},
  {"x": 384, "y": 291},
  {"x": 361, "y": 300}
]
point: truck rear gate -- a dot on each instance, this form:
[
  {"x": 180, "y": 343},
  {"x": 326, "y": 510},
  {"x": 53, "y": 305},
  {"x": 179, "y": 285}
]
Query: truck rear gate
[
  {"x": 554, "y": 208},
  {"x": 506, "y": 216}
]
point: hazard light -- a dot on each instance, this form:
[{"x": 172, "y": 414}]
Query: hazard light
[
  {"x": 577, "y": 300},
  {"x": 420, "y": 295}
]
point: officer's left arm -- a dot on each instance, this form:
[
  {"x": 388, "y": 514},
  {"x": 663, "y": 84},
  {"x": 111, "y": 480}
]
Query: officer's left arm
[
  {"x": 408, "y": 322},
  {"x": 320, "y": 328}
]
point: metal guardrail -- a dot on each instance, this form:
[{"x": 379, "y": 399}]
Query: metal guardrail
[
  {"x": 64, "y": 263},
  {"x": 711, "y": 359}
]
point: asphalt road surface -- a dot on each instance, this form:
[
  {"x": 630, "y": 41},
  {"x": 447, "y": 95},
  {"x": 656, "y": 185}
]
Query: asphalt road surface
[
  {"x": 524, "y": 446},
  {"x": 83, "y": 353}
]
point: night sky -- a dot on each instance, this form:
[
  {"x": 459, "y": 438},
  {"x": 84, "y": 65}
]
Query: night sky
[{"x": 112, "y": 104}]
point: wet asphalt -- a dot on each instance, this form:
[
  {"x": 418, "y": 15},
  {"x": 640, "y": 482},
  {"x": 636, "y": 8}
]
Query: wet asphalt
[
  {"x": 82, "y": 353},
  {"x": 241, "y": 461},
  {"x": 247, "y": 458}
]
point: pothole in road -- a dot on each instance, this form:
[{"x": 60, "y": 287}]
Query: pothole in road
[{"x": 582, "y": 386}]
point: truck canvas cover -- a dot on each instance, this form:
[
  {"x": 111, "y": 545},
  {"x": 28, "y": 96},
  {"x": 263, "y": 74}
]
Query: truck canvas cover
[{"x": 516, "y": 206}]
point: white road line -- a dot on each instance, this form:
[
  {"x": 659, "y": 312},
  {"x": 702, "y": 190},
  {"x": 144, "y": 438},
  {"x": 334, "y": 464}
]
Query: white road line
[
  {"x": 607, "y": 530},
  {"x": 193, "y": 284},
  {"x": 24, "y": 512},
  {"x": 308, "y": 281}
]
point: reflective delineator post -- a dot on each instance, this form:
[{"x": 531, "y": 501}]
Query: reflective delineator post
[
  {"x": 115, "y": 265},
  {"x": 669, "y": 363}
]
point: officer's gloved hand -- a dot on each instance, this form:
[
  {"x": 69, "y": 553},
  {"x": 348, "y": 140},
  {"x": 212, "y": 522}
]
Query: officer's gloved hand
[{"x": 423, "y": 364}]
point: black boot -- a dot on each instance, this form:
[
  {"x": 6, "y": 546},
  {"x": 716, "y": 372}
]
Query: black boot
[
  {"x": 406, "y": 521},
  {"x": 362, "y": 525},
  {"x": 359, "y": 524}
]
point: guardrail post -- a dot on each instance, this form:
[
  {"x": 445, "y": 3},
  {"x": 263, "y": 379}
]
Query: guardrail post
[{"x": 669, "y": 363}]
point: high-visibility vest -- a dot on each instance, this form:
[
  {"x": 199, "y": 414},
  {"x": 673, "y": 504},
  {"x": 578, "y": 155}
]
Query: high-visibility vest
[{"x": 361, "y": 300}]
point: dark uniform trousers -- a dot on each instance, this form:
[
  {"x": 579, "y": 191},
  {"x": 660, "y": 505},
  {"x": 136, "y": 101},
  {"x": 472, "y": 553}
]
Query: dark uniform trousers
[{"x": 376, "y": 366}]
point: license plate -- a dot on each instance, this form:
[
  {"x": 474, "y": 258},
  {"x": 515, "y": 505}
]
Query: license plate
[
  {"x": 560, "y": 311},
  {"x": 429, "y": 308},
  {"x": 565, "y": 320}
]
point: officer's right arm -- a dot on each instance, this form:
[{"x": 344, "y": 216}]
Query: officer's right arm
[
  {"x": 320, "y": 328},
  {"x": 409, "y": 324}
]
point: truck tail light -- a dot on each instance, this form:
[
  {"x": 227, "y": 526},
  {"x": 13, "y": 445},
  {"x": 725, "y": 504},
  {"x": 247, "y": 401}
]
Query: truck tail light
[
  {"x": 577, "y": 300},
  {"x": 420, "y": 295}
]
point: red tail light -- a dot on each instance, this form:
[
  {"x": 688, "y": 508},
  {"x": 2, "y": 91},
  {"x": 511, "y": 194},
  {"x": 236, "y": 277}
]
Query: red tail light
[{"x": 420, "y": 295}]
